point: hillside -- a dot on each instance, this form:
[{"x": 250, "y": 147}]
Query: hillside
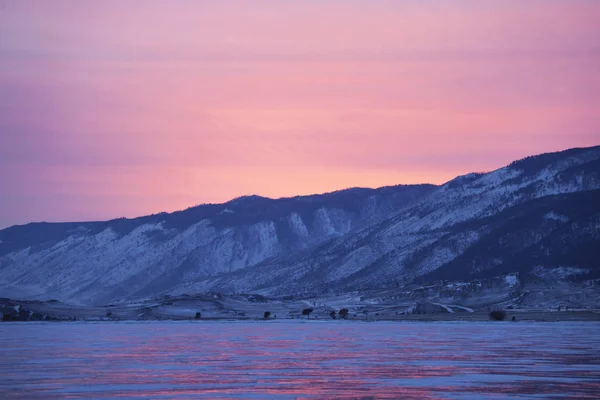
[{"x": 534, "y": 220}]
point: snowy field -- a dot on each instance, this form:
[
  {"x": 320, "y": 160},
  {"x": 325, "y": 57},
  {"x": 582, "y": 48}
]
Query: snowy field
[{"x": 299, "y": 359}]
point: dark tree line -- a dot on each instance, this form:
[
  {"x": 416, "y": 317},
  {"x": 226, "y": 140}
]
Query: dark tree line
[{"x": 497, "y": 315}]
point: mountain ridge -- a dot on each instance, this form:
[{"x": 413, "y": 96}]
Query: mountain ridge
[
  {"x": 348, "y": 240},
  {"x": 469, "y": 175}
]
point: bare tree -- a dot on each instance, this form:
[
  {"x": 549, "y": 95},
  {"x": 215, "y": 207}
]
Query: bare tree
[{"x": 307, "y": 312}]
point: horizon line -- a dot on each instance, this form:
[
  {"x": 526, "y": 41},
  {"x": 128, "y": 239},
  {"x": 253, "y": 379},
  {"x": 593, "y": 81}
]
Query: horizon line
[{"x": 298, "y": 195}]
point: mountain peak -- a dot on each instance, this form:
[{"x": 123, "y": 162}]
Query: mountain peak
[{"x": 476, "y": 225}]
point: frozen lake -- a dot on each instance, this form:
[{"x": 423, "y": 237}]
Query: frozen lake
[{"x": 293, "y": 359}]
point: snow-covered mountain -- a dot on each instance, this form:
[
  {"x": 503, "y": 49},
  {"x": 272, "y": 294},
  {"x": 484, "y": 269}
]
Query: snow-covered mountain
[
  {"x": 542, "y": 211},
  {"x": 95, "y": 262},
  {"x": 536, "y": 217}
]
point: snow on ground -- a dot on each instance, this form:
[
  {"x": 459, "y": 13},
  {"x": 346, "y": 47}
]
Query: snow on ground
[
  {"x": 556, "y": 217},
  {"x": 511, "y": 280},
  {"x": 297, "y": 225},
  {"x": 462, "y": 308},
  {"x": 560, "y": 273},
  {"x": 450, "y": 310}
]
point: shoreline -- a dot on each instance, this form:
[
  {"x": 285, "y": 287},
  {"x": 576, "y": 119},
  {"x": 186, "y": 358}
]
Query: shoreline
[
  {"x": 222, "y": 308},
  {"x": 521, "y": 316}
]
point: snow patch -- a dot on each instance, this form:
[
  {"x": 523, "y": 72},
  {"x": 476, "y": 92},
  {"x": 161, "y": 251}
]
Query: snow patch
[
  {"x": 325, "y": 221},
  {"x": 264, "y": 236},
  {"x": 451, "y": 311},
  {"x": 462, "y": 308},
  {"x": 511, "y": 280},
  {"x": 297, "y": 225},
  {"x": 556, "y": 217},
  {"x": 456, "y": 285},
  {"x": 560, "y": 273},
  {"x": 352, "y": 263}
]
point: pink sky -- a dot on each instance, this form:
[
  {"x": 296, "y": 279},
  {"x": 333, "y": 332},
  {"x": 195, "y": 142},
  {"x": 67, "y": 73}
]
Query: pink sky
[{"x": 124, "y": 108}]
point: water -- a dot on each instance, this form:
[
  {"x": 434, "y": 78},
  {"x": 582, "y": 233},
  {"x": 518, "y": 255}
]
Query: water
[{"x": 293, "y": 359}]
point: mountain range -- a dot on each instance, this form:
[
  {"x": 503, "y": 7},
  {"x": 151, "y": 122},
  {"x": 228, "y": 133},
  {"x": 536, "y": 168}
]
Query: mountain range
[{"x": 537, "y": 219}]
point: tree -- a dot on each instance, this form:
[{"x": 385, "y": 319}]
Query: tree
[
  {"x": 332, "y": 315},
  {"x": 343, "y": 313},
  {"x": 497, "y": 315},
  {"x": 307, "y": 312},
  {"x": 198, "y": 315},
  {"x": 267, "y": 314}
]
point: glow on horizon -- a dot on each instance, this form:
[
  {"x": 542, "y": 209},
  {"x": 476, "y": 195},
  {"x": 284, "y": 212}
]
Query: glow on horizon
[{"x": 114, "y": 108}]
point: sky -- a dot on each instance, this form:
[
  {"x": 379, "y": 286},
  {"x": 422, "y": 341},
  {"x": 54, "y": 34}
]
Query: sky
[{"x": 123, "y": 108}]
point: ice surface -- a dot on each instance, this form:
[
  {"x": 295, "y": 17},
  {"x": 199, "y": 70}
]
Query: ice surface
[{"x": 292, "y": 359}]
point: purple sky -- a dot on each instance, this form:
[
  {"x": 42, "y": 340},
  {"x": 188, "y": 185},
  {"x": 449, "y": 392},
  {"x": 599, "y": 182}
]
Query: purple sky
[{"x": 123, "y": 108}]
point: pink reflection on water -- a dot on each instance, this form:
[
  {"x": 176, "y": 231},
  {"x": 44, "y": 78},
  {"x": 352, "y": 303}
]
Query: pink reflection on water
[{"x": 298, "y": 360}]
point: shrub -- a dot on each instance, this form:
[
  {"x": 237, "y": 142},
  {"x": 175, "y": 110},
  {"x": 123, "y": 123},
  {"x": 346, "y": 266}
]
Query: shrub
[
  {"x": 267, "y": 314},
  {"x": 307, "y": 312},
  {"x": 198, "y": 315},
  {"x": 343, "y": 313},
  {"x": 108, "y": 314},
  {"x": 497, "y": 315},
  {"x": 332, "y": 315}
]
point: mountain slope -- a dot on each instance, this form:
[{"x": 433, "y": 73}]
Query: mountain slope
[
  {"x": 450, "y": 230},
  {"x": 536, "y": 217},
  {"x": 96, "y": 262}
]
